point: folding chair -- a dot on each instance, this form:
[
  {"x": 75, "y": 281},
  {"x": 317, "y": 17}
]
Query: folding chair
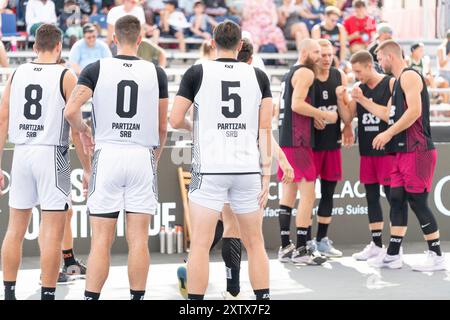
[{"x": 184, "y": 178}]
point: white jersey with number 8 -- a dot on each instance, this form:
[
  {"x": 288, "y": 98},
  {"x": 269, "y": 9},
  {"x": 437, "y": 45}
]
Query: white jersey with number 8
[{"x": 36, "y": 111}]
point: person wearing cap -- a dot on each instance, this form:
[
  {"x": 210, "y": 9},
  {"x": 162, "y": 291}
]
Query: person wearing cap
[
  {"x": 444, "y": 58},
  {"x": 87, "y": 50},
  {"x": 199, "y": 21},
  {"x": 384, "y": 32},
  {"x": 173, "y": 23},
  {"x": 421, "y": 63}
]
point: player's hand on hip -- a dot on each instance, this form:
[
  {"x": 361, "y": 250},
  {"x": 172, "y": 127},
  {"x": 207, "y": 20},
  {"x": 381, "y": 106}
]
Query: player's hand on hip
[
  {"x": 348, "y": 136},
  {"x": 319, "y": 124},
  {"x": 264, "y": 194},
  {"x": 381, "y": 140}
]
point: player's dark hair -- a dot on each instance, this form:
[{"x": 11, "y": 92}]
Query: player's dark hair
[
  {"x": 48, "y": 37},
  {"x": 127, "y": 29},
  {"x": 246, "y": 51},
  {"x": 227, "y": 35},
  {"x": 363, "y": 57}
]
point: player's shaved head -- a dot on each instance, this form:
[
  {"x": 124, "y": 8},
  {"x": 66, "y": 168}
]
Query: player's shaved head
[
  {"x": 309, "y": 52},
  {"x": 127, "y": 30},
  {"x": 307, "y": 45},
  {"x": 390, "y": 46}
]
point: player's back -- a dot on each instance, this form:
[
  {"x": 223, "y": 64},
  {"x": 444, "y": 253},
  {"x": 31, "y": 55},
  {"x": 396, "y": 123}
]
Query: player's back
[
  {"x": 226, "y": 113},
  {"x": 37, "y": 103},
  {"x": 126, "y": 102}
]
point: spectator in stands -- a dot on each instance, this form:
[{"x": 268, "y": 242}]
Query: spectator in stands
[
  {"x": 330, "y": 29},
  {"x": 219, "y": 10},
  {"x": 39, "y": 12},
  {"x": 207, "y": 52},
  {"x": 187, "y": 6},
  {"x": 3, "y": 56},
  {"x": 257, "y": 61},
  {"x": 360, "y": 27},
  {"x": 259, "y": 17},
  {"x": 384, "y": 32},
  {"x": 87, "y": 50},
  {"x": 421, "y": 63},
  {"x": 310, "y": 11},
  {"x": 289, "y": 20},
  {"x": 150, "y": 51},
  {"x": 102, "y": 6},
  {"x": 70, "y": 22},
  {"x": 129, "y": 7},
  {"x": 86, "y": 7},
  {"x": 444, "y": 58},
  {"x": 174, "y": 23},
  {"x": 199, "y": 21},
  {"x": 152, "y": 9}
]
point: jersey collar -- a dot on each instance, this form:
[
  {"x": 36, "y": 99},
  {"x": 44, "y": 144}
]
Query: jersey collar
[
  {"x": 124, "y": 57},
  {"x": 226, "y": 60}
]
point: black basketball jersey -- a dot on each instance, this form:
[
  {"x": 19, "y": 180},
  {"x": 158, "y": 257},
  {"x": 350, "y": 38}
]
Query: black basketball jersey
[
  {"x": 333, "y": 36},
  {"x": 325, "y": 99},
  {"x": 369, "y": 125},
  {"x": 418, "y": 136},
  {"x": 295, "y": 129}
]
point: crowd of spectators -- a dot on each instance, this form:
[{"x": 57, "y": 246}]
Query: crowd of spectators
[{"x": 274, "y": 26}]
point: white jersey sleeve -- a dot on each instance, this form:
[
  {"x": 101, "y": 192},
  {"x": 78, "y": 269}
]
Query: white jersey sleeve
[{"x": 36, "y": 105}]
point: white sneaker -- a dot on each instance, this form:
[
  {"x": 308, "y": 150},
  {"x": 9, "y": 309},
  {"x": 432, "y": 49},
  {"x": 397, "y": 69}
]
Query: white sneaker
[
  {"x": 228, "y": 296},
  {"x": 432, "y": 262},
  {"x": 325, "y": 247},
  {"x": 370, "y": 251},
  {"x": 285, "y": 254},
  {"x": 384, "y": 260}
]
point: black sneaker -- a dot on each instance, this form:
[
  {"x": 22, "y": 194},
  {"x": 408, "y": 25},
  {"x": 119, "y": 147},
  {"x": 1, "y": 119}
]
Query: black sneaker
[
  {"x": 77, "y": 269},
  {"x": 63, "y": 278}
]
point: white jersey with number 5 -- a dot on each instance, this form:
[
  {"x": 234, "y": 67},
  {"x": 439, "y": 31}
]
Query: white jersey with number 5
[
  {"x": 226, "y": 112},
  {"x": 36, "y": 105},
  {"x": 126, "y": 103}
]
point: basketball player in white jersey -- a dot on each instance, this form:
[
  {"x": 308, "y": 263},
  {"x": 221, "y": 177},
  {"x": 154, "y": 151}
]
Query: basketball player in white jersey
[
  {"x": 32, "y": 114},
  {"x": 130, "y": 101},
  {"x": 232, "y": 122}
]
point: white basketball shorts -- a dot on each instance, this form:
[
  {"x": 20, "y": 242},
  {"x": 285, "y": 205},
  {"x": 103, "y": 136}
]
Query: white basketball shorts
[
  {"x": 123, "y": 178},
  {"x": 40, "y": 175},
  {"x": 213, "y": 191}
]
